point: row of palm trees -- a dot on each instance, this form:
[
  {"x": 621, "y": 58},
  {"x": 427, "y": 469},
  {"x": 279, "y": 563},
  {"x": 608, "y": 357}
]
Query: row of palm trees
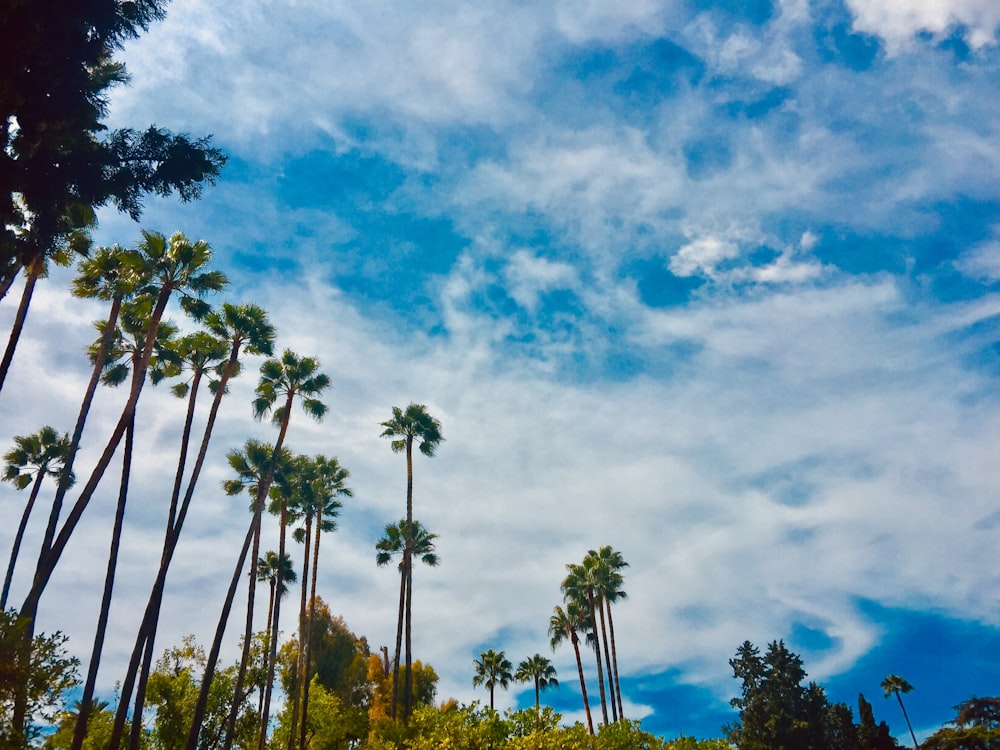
[
  {"x": 589, "y": 589},
  {"x": 136, "y": 343},
  {"x": 493, "y": 669}
]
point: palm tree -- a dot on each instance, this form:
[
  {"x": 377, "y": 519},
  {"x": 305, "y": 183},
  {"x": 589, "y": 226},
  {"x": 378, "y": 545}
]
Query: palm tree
[
  {"x": 278, "y": 573},
  {"x": 403, "y": 429},
  {"x": 318, "y": 508},
  {"x": 566, "y": 624},
  {"x": 580, "y": 586},
  {"x": 281, "y": 381},
  {"x": 609, "y": 564},
  {"x": 393, "y": 542},
  {"x": 537, "y": 669},
  {"x": 492, "y": 668},
  {"x": 896, "y": 684},
  {"x": 42, "y": 454},
  {"x": 126, "y": 353},
  {"x": 244, "y": 328}
]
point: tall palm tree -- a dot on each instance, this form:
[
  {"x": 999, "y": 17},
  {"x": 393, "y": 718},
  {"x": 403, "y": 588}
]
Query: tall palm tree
[
  {"x": 492, "y": 668},
  {"x": 318, "y": 510},
  {"x": 126, "y": 353},
  {"x": 580, "y": 586},
  {"x": 245, "y": 329},
  {"x": 404, "y": 429},
  {"x": 174, "y": 265},
  {"x": 281, "y": 381},
  {"x": 567, "y": 624},
  {"x": 609, "y": 563},
  {"x": 393, "y": 542},
  {"x": 42, "y": 454},
  {"x": 537, "y": 669},
  {"x": 896, "y": 684}
]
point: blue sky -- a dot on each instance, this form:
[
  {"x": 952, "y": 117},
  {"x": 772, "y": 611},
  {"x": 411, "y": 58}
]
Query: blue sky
[{"x": 715, "y": 283}]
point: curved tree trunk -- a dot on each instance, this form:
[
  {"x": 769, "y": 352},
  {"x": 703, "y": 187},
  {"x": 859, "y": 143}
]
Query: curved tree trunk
[
  {"x": 583, "y": 683},
  {"x": 22, "y": 313},
  {"x": 18, "y": 537}
]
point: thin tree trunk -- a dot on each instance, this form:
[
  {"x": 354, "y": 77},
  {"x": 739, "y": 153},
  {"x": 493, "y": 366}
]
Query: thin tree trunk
[
  {"x": 80, "y": 731},
  {"x": 614, "y": 661},
  {"x": 147, "y": 630},
  {"x": 273, "y": 649},
  {"x": 74, "y": 446},
  {"x": 19, "y": 536},
  {"x": 22, "y": 313},
  {"x": 399, "y": 636},
  {"x": 220, "y": 631},
  {"x": 909, "y": 726},
  {"x": 583, "y": 683},
  {"x": 607, "y": 663},
  {"x": 312, "y": 619},
  {"x": 408, "y": 558},
  {"x": 597, "y": 653},
  {"x": 303, "y": 637},
  {"x": 408, "y": 695}
]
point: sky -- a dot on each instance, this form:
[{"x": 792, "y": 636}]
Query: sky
[{"x": 713, "y": 283}]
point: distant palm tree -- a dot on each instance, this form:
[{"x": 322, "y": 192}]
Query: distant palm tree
[
  {"x": 403, "y": 429},
  {"x": 609, "y": 564},
  {"x": 42, "y": 454},
  {"x": 318, "y": 508},
  {"x": 567, "y": 624},
  {"x": 580, "y": 586},
  {"x": 492, "y": 669},
  {"x": 537, "y": 669},
  {"x": 896, "y": 684}
]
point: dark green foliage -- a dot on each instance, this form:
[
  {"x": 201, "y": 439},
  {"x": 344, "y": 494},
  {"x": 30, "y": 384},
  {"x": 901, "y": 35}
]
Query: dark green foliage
[
  {"x": 977, "y": 727},
  {"x": 58, "y": 163},
  {"x": 778, "y": 713}
]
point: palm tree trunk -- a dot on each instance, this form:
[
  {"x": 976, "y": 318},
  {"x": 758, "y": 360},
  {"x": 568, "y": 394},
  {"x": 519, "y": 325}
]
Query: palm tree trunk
[
  {"x": 80, "y": 732},
  {"x": 614, "y": 662},
  {"x": 293, "y": 734},
  {"x": 81, "y": 420},
  {"x": 18, "y": 537},
  {"x": 213, "y": 654},
  {"x": 538, "y": 694},
  {"x": 408, "y": 568},
  {"x": 22, "y": 313},
  {"x": 597, "y": 653},
  {"x": 899, "y": 698},
  {"x": 583, "y": 683},
  {"x": 408, "y": 695},
  {"x": 137, "y": 674},
  {"x": 399, "y": 636},
  {"x": 312, "y": 619},
  {"x": 607, "y": 663}
]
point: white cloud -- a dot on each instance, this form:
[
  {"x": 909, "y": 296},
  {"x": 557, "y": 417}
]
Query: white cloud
[{"x": 898, "y": 21}]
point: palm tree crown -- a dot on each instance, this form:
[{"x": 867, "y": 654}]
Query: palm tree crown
[
  {"x": 492, "y": 668},
  {"x": 537, "y": 669}
]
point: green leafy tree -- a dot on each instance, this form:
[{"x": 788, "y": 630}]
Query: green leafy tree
[
  {"x": 493, "y": 668},
  {"x": 870, "y": 735},
  {"x": 33, "y": 457},
  {"x": 58, "y": 161},
  {"x": 38, "y": 675},
  {"x": 415, "y": 425},
  {"x": 896, "y": 685},
  {"x": 976, "y": 727},
  {"x": 538, "y": 670}
]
